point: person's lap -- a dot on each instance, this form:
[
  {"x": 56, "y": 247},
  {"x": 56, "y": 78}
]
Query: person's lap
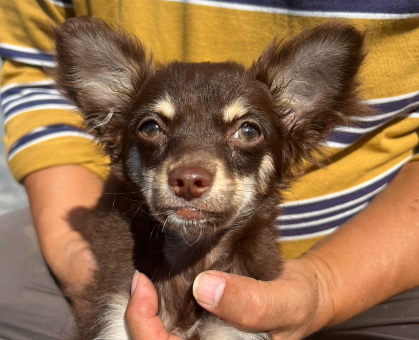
[
  {"x": 397, "y": 318},
  {"x": 32, "y": 307}
]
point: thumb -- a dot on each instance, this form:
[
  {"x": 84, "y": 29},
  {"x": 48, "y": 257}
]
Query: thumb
[
  {"x": 141, "y": 316},
  {"x": 239, "y": 300}
]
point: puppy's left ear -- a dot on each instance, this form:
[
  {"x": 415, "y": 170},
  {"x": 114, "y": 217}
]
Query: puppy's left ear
[{"x": 312, "y": 80}]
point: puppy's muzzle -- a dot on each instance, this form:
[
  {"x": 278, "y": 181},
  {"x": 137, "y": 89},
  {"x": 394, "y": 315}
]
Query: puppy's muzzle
[{"x": 190, "y": 183}]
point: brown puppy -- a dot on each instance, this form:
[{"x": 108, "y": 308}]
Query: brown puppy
[{"x": 200, "y": 153}]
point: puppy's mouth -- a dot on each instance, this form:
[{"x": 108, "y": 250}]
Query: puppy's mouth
[
  {"x": 191, "y": 219},
  {"x": 190, "y": 213}
]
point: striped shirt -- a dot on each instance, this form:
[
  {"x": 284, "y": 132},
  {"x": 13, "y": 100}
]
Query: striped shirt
[{"x": 42, "y": 129}]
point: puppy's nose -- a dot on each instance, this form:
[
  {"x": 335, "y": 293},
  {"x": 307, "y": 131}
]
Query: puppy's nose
[{"x": 190, "y": 183}]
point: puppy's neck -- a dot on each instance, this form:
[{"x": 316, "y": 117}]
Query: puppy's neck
[{"x": 184, "y": 251}]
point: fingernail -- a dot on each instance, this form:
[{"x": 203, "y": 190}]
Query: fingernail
[
  {"x": 134, "y": 281},
  {"x": 208, "y": 289}
]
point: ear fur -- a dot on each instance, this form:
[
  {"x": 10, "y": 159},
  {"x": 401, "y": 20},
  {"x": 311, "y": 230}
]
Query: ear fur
[
  {"x": 312, "y": 79},
  {"x": 100, "y": 69}
]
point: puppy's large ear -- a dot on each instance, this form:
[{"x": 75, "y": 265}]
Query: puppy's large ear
[
  {"x": 100, "y": 69},
  {"x": 312, "y": 79}
]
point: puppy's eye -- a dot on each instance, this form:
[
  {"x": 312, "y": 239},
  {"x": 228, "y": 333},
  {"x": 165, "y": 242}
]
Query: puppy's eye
[
  {"x": 247, "y": 133},
  {"x": 150, "y": 129}
]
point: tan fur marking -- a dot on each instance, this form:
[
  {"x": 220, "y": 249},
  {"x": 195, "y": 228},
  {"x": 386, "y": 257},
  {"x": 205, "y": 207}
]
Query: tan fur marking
[
  {"x": 266, "y": 169},
  {"x": 165, "y": 107},
  {"x": 235, "y": 110}
]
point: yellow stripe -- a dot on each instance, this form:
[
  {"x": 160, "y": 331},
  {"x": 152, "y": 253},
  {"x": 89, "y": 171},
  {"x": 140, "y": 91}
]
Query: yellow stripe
[
  {"x": 57, "y": 152},
  {"x": 26, "y": 122},
  {"x": 294, "y": 249},
  {"x": 28, "y": 23},
  {"x": 360, "y": 163},
  {"x": 16, "y": 73}
]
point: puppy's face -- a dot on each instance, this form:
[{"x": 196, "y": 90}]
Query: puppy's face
[
  {"x": 200, "y": 145},
  {"x": 207, "y": 144}
]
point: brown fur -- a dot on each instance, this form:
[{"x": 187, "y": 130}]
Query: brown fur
[{"x": 295, "y": 93}]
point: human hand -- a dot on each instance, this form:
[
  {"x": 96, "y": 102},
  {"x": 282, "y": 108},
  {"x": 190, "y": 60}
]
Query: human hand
[
  {"x": 141, "y": 314},
  {"x": 291, "y": 307}
]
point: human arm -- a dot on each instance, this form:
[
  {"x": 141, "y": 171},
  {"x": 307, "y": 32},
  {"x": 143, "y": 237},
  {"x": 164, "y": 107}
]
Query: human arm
[
  {"x": 42, "y": 133},
  {"x": 60, "y": 196},
  {"x": 370, "y": 258}
]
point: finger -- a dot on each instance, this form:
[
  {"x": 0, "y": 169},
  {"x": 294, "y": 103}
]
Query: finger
[
  {"x": 143, "y": 323},
  {"x": 239, "y": 300}
]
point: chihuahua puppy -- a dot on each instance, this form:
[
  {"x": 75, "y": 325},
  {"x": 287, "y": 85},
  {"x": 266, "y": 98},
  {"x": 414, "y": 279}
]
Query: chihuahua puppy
[{"x": 200, "y": 154}]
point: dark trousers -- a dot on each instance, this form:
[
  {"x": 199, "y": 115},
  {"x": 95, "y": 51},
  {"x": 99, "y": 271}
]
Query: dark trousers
[{"x": 32, "y": 308}]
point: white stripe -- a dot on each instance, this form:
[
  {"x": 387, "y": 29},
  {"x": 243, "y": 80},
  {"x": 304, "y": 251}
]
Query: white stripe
[
  {"x": 307, "y": 236},
  {"x": 24, "y": 49},
  {"x": 357, "y": 130},
  {"x": 41, "y": 107},
  {"x": 337, "y": 145},
  {"x": 26, "y": 92},
  {"x": 331, "y": 209},
  {"x": 347, "y": 191},
  {"x": 60, "y": 3},
  {"x": 48, "y": 137},
  {"x": 362, "y": 131},
  {"x": 385, "y": 115},
  {"x": 274, "y": 10},
  {"x": 373, "y": 118},
  {"x": 32, "y": 98},
  {"x": 391, "y": 99},
  {"x": 412, "y": 115},
  {"x": 35, "y": 62},
  {"x": 323, "y": 220},
  {"x": 26, "y": 85}
]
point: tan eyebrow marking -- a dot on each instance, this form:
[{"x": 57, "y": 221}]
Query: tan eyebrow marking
[
  {"x": 236, "y": 109},
  {"x": 165, "y": 107}
]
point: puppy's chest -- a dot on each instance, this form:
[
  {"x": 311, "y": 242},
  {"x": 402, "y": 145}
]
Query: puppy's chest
[{"x": 178, "y": 308}]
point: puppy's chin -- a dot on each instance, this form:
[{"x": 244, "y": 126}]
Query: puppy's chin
[{"x": 193, "y": 222}]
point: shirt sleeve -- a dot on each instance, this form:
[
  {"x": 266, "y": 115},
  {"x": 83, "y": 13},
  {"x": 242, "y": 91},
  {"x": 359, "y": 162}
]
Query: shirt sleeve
[{"x": 41, "y": 126}]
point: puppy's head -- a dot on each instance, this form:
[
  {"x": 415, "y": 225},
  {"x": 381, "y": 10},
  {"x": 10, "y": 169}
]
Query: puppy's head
[{"x": 207, "y": 144}]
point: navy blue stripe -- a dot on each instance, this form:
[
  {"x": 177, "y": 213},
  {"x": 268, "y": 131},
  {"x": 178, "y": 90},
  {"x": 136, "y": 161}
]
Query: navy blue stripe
[
  {"x": 360, "y": 6},
  {"x": 396, "y": 104},
  {"x": 67, "y": 2},
  {"x": 12, "y": 54},
  {"x": 371, "y": 124},
  {"x": 352, "y": 137},
  {"x": 328, "y": 203},
  {"x": 31, "y": 97},
  {"x": 30, "y": 104},
  {"x": 48, "y": 130},
  {"x": 345, "y": 137},
  {"x": 310, "y": 230},
  {"x": 20, "y": 89},
  {"x": 314, "y": 218}
]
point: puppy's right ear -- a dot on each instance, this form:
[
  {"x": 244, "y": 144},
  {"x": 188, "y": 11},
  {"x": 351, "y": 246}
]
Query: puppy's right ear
[{"x": 100, "y": 69}]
